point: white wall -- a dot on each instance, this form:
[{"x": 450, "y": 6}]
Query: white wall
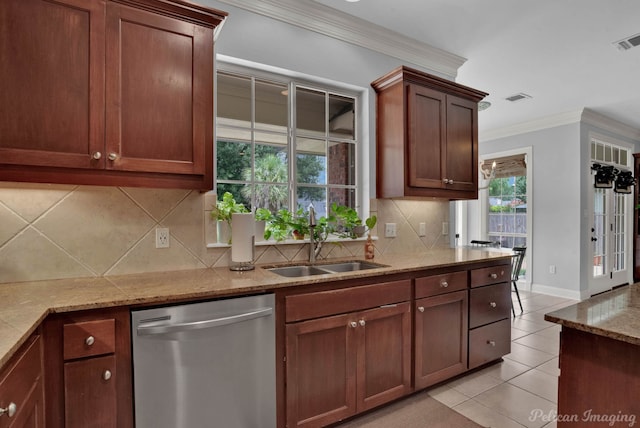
[
  {"x": 556, "y": 205},
  {"x": 561, "y": 210}
]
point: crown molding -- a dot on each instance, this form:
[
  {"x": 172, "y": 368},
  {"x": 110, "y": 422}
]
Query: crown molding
[
  {"x": 551, "y": 121},
  {"x": 583, "y": 115},
  {"x": 322, "y": 19},
  {"x": 611, "y": 125}
]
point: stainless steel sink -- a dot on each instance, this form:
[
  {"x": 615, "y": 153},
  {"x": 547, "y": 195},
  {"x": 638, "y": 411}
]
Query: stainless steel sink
[
  {"x": 350, "y": 266},
  {"x": 298, "y": 271}
]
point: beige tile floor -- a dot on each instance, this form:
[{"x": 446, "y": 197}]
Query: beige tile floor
[{"x": 520, "y": 391}]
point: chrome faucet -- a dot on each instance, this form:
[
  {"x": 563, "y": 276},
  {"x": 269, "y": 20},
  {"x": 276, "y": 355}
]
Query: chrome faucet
[{"x": 314, "y": 246}]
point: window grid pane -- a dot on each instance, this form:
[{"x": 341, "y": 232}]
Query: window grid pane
[{"x": 254, "y": 144}]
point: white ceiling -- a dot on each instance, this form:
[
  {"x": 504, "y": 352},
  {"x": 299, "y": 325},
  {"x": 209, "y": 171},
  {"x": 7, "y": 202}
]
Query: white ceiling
[{"x": 558, "y": 51}]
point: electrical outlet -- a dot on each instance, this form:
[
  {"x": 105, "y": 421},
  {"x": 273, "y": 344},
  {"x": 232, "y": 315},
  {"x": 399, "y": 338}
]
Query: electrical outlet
[
  {"x": 389, "y": 230},
  {"x": 162, "y": 237},
  {"x": 422, "y": 229},
  {"x": 445, "y": 228},
  {"x": 552, "y": 269}
]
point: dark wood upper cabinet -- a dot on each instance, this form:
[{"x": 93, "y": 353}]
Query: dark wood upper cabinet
[
  {"x": 102, "y": 92},
  {"x": 427, "y": 136}
]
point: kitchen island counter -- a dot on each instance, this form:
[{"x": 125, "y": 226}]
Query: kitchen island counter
[
  {"x": 614, "y": 314},
  {"x": 599, "y": 360},
  {"x": 23, "y": 306}
]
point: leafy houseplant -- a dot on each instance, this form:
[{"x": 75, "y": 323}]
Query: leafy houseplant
[
  {"x": 262, "y": 216},
  {"x": 278, "y": 226},
  {"x": 223, "y": 211},
  {"x": 299, "y": 224}
]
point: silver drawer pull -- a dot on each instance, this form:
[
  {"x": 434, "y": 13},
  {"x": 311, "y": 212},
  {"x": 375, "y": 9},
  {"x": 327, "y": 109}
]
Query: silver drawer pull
[
  {"x": 491, "y": 342},
  {"x": 421, "y": 308},
  {"x": 96, "y": 155},
  {"x": 90, "y": 341},
  {"x": 353, "y": 324},
  {"x": 106, "y": 375},
  {"x": 494, "y": 275},
  {"x": 362, "y": 323},
  {"x": 444, "y": 284},
  {"x": 493, "y": 304},
  {"x": 112, "y": 156},
  {"x": 10, "y": 410}
]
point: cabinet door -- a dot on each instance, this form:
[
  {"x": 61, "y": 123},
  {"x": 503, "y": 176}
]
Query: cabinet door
[
  {"x": 462, "y": 144},
  {"x": 90, "y": 393},
  {"x": 21, "y": 386},
  {"x": 159, "y": 93},
  {"x": 384, "y": 354},
  {"x": 52, "y": 90},
  {"x": 441, "y": 333},
  {"x": 426, "y": 137},
  {"x": 321, "y": 371}
]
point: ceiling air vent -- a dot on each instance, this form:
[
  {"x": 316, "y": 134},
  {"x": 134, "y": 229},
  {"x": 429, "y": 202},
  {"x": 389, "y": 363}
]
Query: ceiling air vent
[
  {"x": 517, "y": 97},
  {"x": 628, "y": 43}
]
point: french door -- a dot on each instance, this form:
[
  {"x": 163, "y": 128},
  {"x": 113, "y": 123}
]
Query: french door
[{"x": 609, "y": 240}]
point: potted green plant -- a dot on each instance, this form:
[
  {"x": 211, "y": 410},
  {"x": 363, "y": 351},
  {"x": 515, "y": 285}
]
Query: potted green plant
[
  {"x": 262, "y": 216},
  {"x": 299, "y": 224},
  {"x": 222, "y": 212},
  {"x": 278, "y": 226},
  {"x": 349, "y": 223}
]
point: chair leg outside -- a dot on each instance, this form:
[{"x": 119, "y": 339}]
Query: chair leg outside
[{"x": 515, "y": 287}]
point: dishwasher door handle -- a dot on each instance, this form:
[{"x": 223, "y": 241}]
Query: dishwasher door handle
[{"x": 202, "y": 324}]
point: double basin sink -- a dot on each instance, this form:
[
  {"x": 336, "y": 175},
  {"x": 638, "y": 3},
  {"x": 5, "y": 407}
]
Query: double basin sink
[{"x": 298, "y": 271}]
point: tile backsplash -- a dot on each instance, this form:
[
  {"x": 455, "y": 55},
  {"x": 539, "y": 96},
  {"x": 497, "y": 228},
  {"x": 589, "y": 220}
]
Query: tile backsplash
[{"x": 63, "y": 231}]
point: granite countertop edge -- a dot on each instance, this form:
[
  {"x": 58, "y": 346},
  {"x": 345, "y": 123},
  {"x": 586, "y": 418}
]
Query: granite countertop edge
[
  {"x": 614, "y": 314},
  {"x": 24, "y": 305}
]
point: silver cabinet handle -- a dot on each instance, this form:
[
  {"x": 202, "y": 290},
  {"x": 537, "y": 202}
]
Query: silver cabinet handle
[
  {"x": 106, "y": 375},
  {"x": 147, "y": 330},
  {"x": 113, "y": 156},
  {"x": 97, "y": 155},
  {"x": 450, "y": 181},
  {"x": 362, "y": 323},
  {"x": 493, "y": 304},
  {"x": 90, "y": 341},
  {"x": 445, "y": 180},
  {"x": 421, "y": 308},
  {"x": 494, "y": 275},
  {"x": 444, "y": 284},
  {"x": 10, "y": 410},
  {"x": 491, "y": 342},
  {"x": 353, "y": 324}
]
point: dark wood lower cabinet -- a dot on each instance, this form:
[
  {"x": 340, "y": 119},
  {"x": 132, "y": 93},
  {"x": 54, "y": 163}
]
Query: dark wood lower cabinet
[
  {"x": 599, "y": 378},
  {"x": 90, "y": 392},
  {"x": 21, "y": 388},
  {"x": 88, "y": 370},
  {"x": 440, "y": 337},
  {"x": 341, "y": 365}
]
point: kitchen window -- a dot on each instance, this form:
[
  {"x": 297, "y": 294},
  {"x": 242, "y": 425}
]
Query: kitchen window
[{"x": 285, "y": 143}]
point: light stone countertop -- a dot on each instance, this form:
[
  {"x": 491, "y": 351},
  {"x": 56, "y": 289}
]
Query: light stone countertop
[
  {"x": 23, "y": 306},
  {"x": 614, "y": 314}
]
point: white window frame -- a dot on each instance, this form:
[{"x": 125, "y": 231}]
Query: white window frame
[{"x": 360, "y": 94}]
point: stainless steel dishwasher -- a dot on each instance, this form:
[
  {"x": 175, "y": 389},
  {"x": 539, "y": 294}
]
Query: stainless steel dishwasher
[{"x": 205, "y": 365}]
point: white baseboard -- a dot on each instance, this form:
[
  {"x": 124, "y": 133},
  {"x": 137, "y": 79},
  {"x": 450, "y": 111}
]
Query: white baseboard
[{"x": 558, "y": 292}]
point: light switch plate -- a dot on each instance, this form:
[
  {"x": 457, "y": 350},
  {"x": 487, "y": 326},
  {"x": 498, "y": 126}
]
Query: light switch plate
[
  {"x": 445, "y": 228},
  {"x": 422, "y": 229}
]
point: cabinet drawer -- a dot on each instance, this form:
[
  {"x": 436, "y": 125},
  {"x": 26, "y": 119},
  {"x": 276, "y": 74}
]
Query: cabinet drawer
[
  {"x": 489, "y": 343},
  {"x": 20, "y": 384},
  {"x": 490, "y": 275},
  {"x": 427, "y": 286},
  {"x": 332, "y": 302},
  {"x": 489, "y": 304},
  {"x": 89, "y": 338}
]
